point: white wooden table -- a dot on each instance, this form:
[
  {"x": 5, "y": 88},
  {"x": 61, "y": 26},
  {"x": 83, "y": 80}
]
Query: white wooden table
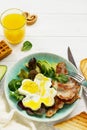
[{"x": 61, "y": 23}]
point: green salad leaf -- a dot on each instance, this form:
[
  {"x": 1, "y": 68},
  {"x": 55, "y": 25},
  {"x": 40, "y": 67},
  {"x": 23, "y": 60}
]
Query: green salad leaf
[
  {"x": 16, "y": 95},
  {"x": 23, "y": 74},
  {"x": 14, "y": 84},
  {"x": 27, "y": 45},
  {"x": 62, "y": 78}
]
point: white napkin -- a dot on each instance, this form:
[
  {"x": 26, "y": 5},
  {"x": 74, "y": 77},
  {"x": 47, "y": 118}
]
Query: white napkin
[{"x": 11, "y": 120}]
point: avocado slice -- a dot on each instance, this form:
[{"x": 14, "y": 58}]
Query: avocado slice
[{"x": 3, "y": 69}]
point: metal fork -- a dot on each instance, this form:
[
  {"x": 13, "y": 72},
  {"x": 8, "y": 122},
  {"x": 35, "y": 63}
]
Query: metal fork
[{"x": 79, "y": 78}]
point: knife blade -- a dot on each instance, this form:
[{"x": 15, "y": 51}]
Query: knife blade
[{"x": 70, "y": 57}]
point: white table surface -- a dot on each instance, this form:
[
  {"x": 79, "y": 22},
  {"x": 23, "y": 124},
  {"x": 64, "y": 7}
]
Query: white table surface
[{"x": 61, "y": 23}]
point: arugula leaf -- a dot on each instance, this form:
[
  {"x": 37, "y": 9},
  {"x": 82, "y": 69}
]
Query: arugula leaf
[
  {"x": 27, "y": 45},
  {"x": 16, "y": 95}
]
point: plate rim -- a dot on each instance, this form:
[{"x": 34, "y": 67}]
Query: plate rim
[{"x": 31, "y": 117}]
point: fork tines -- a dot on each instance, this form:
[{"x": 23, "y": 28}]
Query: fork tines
[{"x": 76, "y": 76}]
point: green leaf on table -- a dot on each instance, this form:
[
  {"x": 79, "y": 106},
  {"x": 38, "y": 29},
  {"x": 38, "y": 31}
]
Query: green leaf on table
[{"x": 27, "y": 45}]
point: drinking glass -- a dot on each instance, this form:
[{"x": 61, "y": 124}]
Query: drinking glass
[{"x": 14, "y": 23}]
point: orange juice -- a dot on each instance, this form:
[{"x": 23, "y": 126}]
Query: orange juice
[{"x": 14, "y": 27}]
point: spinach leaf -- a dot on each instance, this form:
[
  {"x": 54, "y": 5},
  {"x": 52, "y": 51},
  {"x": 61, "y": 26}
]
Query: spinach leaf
[
  {"x": 14, "y": 84},
  {"x": 27, "y": 45}
]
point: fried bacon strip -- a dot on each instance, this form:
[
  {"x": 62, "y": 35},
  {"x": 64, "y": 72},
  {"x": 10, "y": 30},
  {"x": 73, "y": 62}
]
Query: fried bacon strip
[
  {"x": 66, "y": 91},
  {"x": 72, "y": 100},
  {"x": 61, "y": 68},
  {"x": 58, "y": 105}
]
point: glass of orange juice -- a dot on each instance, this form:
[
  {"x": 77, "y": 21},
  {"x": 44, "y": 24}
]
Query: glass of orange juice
[{"x": 13, "y": 23}]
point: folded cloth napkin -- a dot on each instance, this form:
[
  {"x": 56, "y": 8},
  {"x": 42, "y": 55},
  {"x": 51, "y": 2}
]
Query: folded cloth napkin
[{"x": 11, "y": 120}]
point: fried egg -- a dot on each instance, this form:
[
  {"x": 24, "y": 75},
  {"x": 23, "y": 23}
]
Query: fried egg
[
  {"x": 28, "y": 87},
  {"x": 37, "y": 92}
]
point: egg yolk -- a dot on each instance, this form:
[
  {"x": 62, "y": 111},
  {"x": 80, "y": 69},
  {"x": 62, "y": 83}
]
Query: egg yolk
[
  {"x": 34, "y": 105},
  {"x": 48, "y": 101},
  {"x": 30, "y": 86}
]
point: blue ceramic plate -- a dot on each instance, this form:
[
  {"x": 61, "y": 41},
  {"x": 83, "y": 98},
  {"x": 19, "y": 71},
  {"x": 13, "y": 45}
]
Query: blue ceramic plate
[{"x": 12, "y": 73}]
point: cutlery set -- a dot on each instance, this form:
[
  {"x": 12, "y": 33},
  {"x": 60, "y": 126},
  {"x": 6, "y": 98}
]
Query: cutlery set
[{"x": 77, "y": 76}]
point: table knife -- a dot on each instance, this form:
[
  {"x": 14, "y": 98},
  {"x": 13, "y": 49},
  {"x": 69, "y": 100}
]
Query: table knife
[{"x": 71, "y": 59}]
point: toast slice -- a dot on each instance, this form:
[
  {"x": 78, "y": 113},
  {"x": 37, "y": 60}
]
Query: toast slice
[
  {"x": 83, "y": 67},
  {"x": 78, "y": 122},
  {"x": 5, "y": 49}
]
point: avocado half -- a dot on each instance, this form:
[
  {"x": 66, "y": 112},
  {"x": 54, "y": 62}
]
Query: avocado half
[{"x": 3, "y": 69}]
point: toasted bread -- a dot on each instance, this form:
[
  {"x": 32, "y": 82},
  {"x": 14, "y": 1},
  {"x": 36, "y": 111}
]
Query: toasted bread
[
  {"x": 78, "y": 122},
  {"x": 5, "y": 49},
  {"x": 83, "y": 67}
]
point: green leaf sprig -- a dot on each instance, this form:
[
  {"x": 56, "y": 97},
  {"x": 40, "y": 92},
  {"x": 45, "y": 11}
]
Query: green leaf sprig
[
  {"x": 27, "y": 45},
  {"x": 62, "y": 78}
]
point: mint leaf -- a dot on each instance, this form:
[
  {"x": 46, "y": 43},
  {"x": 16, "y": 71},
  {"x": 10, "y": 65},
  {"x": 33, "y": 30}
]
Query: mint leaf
[{"x": 26, "y": 46}]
